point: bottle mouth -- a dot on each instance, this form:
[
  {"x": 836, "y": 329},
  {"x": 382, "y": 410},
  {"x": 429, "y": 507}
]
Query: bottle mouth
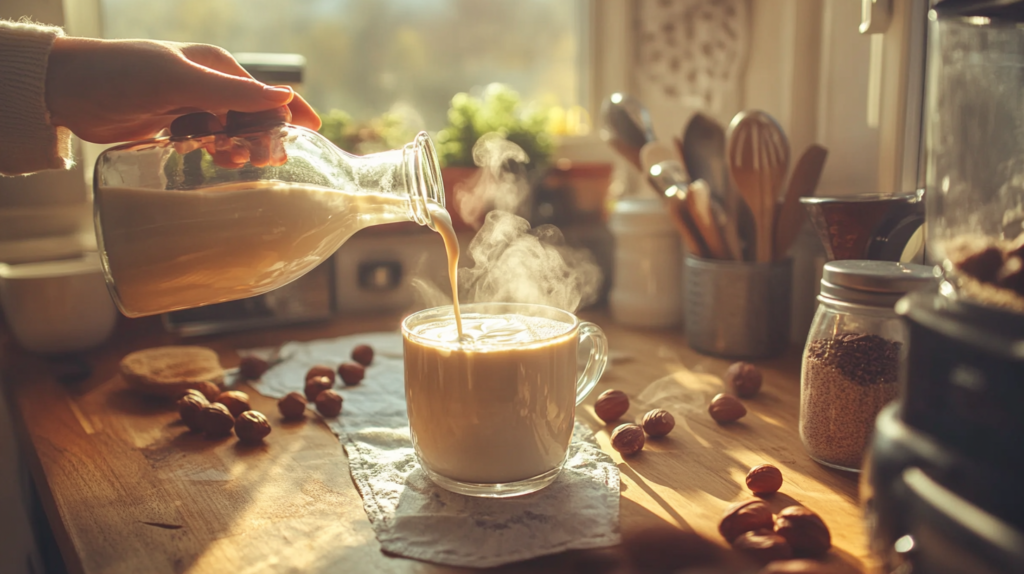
[{"x": 427, "y": 171}]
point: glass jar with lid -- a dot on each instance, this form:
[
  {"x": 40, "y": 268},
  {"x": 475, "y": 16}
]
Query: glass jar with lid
[{"x": 851, "y": 362}]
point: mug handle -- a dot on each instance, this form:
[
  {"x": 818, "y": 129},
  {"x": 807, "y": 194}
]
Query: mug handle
[{"x": 597, "y": 361}]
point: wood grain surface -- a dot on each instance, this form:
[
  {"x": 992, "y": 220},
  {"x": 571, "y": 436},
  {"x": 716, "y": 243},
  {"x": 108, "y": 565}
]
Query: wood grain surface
[{"x": 127, "y": 489}]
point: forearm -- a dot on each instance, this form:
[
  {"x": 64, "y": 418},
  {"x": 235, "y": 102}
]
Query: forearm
[{"x": 28, "y": 140}]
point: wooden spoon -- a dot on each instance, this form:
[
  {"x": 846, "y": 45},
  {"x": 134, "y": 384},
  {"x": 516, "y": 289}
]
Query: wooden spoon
[
  {"x": 698, "y": 203},
  {"x": 802, "y": 183},
  {"x": 758, "y": 154}
]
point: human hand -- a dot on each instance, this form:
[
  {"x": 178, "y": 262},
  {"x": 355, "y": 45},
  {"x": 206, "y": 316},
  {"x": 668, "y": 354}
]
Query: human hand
[{"x": 108, "y": 91}]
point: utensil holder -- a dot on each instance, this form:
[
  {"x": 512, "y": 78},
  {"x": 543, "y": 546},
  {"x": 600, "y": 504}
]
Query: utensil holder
[{"x": 737, "y": 309}]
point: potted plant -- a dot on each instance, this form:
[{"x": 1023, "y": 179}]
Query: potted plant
[{"x": 497, "y": 112}]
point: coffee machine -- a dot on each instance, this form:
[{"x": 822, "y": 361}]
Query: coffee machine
[{"x": 942, "y": 487}]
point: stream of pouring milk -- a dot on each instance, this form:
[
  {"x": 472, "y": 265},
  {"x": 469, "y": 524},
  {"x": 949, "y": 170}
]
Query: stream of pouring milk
[{"x": 443, "y": 223}]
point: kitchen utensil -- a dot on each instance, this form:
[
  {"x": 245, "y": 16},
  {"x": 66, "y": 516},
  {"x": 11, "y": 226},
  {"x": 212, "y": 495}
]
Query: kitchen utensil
[
  {"x": 700, "y": 221},
  {"x": 699, "y": 205},
  {"x": 626, "y": 126},
  {"x": 669, "y": 179},
  {"x": 57, "y": 306},
  {"x": 703, "y": 151},
  {"x": 871, "y": 226},
  {"x": 758, "y": 153},
  {"x": 802, "y": 183},
  {"x": 655, "y": 152}
]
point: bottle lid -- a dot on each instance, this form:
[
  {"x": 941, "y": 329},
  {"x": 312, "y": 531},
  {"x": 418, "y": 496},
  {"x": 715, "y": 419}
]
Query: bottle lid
[{"x": 875, "y": 283}]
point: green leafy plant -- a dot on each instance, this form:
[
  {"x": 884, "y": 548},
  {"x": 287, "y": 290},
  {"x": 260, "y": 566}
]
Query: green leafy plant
[{"x": 500, "y": 110}]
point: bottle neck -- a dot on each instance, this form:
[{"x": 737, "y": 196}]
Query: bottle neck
[{"x": 412, "y": 172}]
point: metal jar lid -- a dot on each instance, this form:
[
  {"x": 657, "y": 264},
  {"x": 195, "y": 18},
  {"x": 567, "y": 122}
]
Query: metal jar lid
[{"x": 875, "y": 283}]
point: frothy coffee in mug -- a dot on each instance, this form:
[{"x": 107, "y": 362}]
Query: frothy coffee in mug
[{"x": 496, "y": 405}]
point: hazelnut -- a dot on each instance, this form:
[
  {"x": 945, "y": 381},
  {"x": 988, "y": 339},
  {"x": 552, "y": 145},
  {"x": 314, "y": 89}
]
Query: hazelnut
[
  {"x": 195, "y": 393},
  {"x": 292, "y": 406},
  {"x": 251, "y": 427},
  {"x": 215, "y": 420},
  {"x": 329, "y": 403},
  {"x": 611, "y": 405},
  {"x": 804, "y": 530},
  {"x": 764, "y": 479},
  {"x": 316, "y": 385},
  {"x": 743, "y": 379},
  {"x": 320, "y": 371},
  {"x": 252, "y": 368},
  {"x": 237, "y": 402},
  {"x": 208, "y": 389},
  {"x": 189, "y": 406},
  {"x": 797, "y": 567},
  {"x": 628, "y": 438},
  {"x": 762, "y": 546},
  {"x": 363, "y": 354},
  {"x": 743, "y": 517},
  {"x": 659, "y": 422},
  {"x": 726, "y": 408},
  {"x": 351, "y": 373}
]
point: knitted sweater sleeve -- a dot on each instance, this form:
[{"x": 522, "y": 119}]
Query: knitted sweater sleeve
[{"x": 28, "y": 142}]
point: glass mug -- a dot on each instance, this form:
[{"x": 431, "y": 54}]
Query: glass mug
[{"x": 493, "y": 417}]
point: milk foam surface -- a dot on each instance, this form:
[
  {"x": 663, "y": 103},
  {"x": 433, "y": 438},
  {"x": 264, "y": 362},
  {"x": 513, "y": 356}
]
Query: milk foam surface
[{"x": 483, "y": 331}]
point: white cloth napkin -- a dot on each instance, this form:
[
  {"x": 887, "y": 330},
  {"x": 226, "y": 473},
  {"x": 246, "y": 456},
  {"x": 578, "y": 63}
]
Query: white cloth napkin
[{"x": 413, "y": 517}]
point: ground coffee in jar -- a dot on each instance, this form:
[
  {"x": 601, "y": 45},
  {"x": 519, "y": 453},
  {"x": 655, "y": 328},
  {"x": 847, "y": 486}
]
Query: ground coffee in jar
[
  {"x": 851, "y": 364},
  {"x": 847, "y": 379}
]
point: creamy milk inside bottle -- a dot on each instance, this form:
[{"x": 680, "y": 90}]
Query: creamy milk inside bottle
[{"x": 177, "y": 249}]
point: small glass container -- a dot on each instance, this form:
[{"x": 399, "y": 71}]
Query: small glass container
[{"x": 851, "y": 363}]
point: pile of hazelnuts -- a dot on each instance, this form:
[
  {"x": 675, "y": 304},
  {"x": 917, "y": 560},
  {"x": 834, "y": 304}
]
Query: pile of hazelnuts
[
  {"x": 320, "y": 380},
  {"x": 229, "y": 410},
  {"x": 217, "y": 414},
  {"x": 630, "y": 438},
  {"x": 742, "y": 380}
]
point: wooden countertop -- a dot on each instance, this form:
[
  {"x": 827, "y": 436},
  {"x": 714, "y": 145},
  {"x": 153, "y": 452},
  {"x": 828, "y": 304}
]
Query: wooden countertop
[{"x": 126, "y": 489}]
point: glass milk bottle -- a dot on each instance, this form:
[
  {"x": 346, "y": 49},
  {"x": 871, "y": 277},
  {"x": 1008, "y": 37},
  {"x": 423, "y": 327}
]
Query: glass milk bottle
[{"x": 215, "y": 213}]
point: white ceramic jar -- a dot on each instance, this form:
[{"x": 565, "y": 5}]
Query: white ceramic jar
[
  {"x": 647, "y": 283},
  {"x": 57, "y": 306}
]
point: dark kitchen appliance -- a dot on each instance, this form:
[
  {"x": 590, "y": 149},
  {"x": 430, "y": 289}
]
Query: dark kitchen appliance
[{"x": 942, "y": 487}]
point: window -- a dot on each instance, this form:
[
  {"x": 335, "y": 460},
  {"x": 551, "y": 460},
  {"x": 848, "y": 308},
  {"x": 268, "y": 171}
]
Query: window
[{"x": 365, "y": 56}]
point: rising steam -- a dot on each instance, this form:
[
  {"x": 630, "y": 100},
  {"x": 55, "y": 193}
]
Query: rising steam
[
  {"x": 500, "y": 184},
  {"x": 515, "y": 264},
  {"x": 507, "y": 261}
]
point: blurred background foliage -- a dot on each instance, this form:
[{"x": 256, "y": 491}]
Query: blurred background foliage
[{"x": 498, "y": 109}]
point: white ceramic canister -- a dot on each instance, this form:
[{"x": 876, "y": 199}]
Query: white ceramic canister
[
  {"x": 57, "y": 306},
  {"x": 647, "y": 283}
]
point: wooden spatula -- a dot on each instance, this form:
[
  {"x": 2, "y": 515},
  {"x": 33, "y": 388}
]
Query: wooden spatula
[{"x": 802, "y": 183}]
